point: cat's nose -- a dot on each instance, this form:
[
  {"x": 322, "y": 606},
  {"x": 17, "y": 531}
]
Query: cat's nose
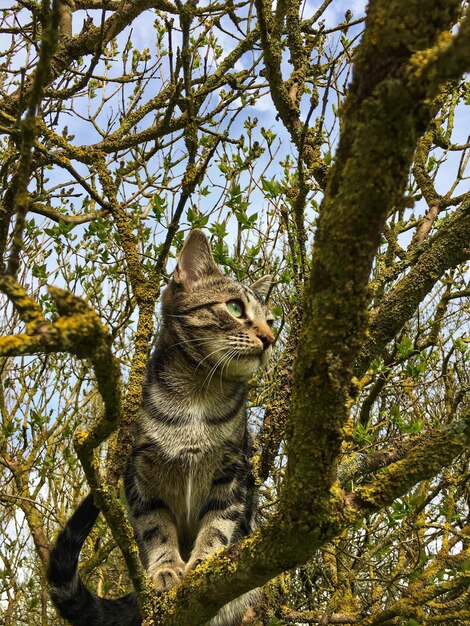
[{"x": 266, "y": 339}]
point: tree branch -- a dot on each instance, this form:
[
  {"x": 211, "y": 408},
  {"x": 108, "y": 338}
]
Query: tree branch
[
  {"x": 443, "y": 252},
  {"x": 448, "y": 59},
  {"x": 53, "y": 214},
  {"x": 425, "y": 459},
  {"x": 28, "y": 130}
]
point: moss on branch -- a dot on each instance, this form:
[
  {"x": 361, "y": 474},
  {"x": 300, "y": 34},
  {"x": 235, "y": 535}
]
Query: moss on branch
[
  {"x": 425, "y": 459},
  {"x": 448, "y": 58},
  {"x": 28, "y": 309},
  {"x": 79, "y": 331},
  {"x": 441, "y": 253}
]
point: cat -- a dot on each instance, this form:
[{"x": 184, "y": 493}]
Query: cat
[{"x": 189, "y": 483}]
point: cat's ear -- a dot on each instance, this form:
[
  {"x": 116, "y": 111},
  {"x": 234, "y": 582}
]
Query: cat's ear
[
  {"x": 262, "y": 287},
  {"x": 195, "y": 259}
]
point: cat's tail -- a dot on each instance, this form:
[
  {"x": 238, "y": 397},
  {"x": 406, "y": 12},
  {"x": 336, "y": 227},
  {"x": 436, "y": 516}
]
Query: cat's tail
[{"x": 71, "y": 597}]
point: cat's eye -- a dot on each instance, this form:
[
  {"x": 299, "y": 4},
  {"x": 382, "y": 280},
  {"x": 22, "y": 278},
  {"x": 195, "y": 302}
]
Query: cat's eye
[
  {"x": 270, "y": 323},
  {"x": 236, "y": 308}
]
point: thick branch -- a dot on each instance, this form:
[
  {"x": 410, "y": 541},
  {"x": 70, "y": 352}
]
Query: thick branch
[
  {"x": 56, "y": 216},
  {"x": 445, "y": 250},
  {"x": 381, "y": 125},
  {"x": 78, "y": 331},
  {"x": 277, "y": 408},
  {"x": 315, "y": 617},
  {"x": 286, "y": 95},
  {"x": 28, "y": 309},
  {"x": 28, "y": 134},
  {"x": 425, "y": 459}
]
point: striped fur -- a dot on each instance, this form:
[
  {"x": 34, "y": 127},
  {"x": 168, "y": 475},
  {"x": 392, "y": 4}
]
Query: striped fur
[{"x": 188, "y": 483}]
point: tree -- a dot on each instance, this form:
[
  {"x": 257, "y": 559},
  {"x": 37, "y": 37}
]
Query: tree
[{"x": 127, "y": 123}]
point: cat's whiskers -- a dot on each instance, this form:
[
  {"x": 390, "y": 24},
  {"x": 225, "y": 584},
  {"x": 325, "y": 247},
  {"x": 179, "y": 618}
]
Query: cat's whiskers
[
  {"x": 231, "y": 356},
  {"x": 214, "y": 368},
  {"x": 223, "y": 361},
  {"x": 188, "y": 341},
  {"x": 209, "y": 355},
  {"x": 211, "y": 372}
]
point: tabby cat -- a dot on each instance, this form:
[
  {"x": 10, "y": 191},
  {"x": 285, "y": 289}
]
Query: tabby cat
[{"x": 188, "y": 484}]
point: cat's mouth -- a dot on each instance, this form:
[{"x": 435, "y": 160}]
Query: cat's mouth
[
  {"x": 244, "y": 364},
  {"x": 252, "y": 354},
  {"x": 250, "y": 358}
]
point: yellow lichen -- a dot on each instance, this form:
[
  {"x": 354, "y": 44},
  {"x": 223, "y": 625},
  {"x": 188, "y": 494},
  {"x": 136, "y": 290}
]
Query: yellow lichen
[{"x": 80, "y": 437}]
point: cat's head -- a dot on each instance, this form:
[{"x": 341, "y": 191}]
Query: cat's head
[{"x": 221, "y": 324}]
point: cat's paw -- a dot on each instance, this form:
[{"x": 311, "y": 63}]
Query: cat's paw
[
  {"x": 192, "y": 564},
  {"x": 166, "y": 577}
]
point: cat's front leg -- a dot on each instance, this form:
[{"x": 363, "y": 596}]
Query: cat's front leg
[
  {"x": 165, "y": 565},
  {"x": 157, "y": 537},
  {"x": 215, "y": 532},
  {"x": 225, "y": 515},
  {"x": 154, "y": 523}
]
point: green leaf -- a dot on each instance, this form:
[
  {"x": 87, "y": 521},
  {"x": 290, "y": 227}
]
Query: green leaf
[
  {"x": 460, "y": 345},
  {"x": 362, "y": 435},
  {"x": 405, "y": 347},
  {"x": 159, "y": 206},
  {"x": 272, "y": 188},
  {"x": 377, "y": 365},
  {"x": 195, "y": 219}
]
